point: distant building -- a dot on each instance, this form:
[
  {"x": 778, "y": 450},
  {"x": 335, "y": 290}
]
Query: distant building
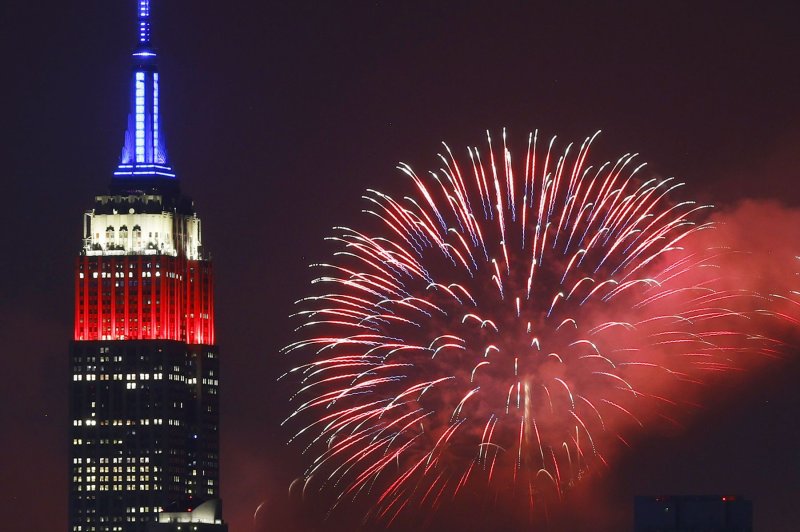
[
  {"x": 207, "y": 517},
  {"x": 706, "y": 513}
]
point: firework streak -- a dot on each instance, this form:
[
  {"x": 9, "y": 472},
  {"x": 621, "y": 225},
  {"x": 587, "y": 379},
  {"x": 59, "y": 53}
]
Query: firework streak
[{"x": 505, "y": 326}]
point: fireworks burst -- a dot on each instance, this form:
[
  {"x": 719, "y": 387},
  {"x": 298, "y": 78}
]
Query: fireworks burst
[{"x": 505, "y": 326}]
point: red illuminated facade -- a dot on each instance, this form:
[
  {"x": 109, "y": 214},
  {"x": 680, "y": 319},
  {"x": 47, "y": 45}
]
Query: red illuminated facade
[{"x": 144, "y": 297}]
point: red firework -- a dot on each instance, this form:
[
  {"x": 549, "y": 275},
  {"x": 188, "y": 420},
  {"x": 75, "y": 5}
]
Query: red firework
[{"x": 507, "y": 325}]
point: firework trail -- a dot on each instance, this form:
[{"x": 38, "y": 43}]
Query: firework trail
[{"x": 503, "y": 327}]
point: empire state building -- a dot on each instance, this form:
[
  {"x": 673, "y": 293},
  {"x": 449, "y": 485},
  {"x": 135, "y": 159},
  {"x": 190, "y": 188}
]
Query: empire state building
[{"x": 144, "y": 403}]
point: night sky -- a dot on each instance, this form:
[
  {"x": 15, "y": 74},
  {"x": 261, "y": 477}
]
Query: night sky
[{"x": 278, "y": 116}]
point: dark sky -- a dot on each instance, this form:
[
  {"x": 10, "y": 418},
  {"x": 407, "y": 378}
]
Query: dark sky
[{"x": 279, "y": 114}]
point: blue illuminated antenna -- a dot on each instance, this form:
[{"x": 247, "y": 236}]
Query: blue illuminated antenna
[
  {"x": 144, "y": 23},
  {"x": 144, "y": 155},
  {"x": 143, "y": 49}
]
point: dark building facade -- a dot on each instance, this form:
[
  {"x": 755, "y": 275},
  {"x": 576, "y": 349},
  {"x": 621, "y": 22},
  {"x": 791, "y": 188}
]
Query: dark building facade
[
  {"x": 706, "y": 513},
  {"x": 144, "y": 365}
]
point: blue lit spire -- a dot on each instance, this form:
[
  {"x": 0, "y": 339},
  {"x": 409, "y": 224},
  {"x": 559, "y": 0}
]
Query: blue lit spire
[
  {"x": 144, "y": 22},
  {"x": 144, "y": 155}
]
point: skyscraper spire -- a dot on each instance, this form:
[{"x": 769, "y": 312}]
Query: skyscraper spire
[
  {"x": 144, "y": 23},
  {"x": 143, "y": 163}
]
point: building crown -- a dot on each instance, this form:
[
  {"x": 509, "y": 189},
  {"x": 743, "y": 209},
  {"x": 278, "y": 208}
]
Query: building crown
[{"x": 144, "y": 162}]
